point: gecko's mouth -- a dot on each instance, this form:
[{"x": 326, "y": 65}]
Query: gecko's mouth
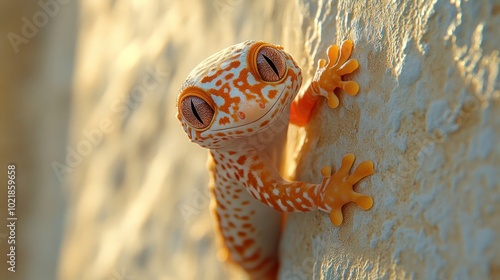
[{"x": 259, "y": 119}]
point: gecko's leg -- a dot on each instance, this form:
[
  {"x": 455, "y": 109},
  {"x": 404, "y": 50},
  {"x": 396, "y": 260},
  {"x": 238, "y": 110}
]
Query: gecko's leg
[
  {"x": 338, "y": 188},
  {"x": 328, "y": 77},
  {"x": 329, "y": 74}
]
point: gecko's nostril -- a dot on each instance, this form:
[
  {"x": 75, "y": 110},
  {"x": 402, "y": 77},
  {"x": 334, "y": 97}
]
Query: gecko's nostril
[
  {"x": 270, "y": 64},
  {"x": 197, "y": 112}
]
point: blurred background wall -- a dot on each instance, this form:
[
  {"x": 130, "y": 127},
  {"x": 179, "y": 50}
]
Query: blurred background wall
[
  {"x": 110, "y": 188},
  {"x": 37, "y": 55},
  {"x": 104, "y": 169}
]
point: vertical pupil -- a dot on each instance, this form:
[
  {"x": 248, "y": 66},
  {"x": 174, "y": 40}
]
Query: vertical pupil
[
  {"x": 272, "y": 65},
  {"x": 193, "y": 108}
]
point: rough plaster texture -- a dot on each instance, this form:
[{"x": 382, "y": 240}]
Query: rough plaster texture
[{"x": 427, "y": 114}]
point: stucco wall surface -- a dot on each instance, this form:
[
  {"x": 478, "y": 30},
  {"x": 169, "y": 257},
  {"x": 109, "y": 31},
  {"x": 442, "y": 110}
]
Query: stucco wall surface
[{"x": 428, "y": 115}]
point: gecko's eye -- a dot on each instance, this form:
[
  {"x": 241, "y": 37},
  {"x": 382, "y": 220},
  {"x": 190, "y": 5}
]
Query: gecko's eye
[
  {"x": 270, "y": 64},
  {"x": 197, "y": 112}
]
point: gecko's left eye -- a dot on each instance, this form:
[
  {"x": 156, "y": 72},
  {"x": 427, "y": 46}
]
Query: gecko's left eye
[
  {"x": 197, "y": 112},
  {"x": 270, "y": 64}
]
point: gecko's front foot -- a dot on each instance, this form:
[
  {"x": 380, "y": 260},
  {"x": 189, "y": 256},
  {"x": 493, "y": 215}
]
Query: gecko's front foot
[
  {"x": 329, "y": 74},
  {"x": 338, "y": 188}
]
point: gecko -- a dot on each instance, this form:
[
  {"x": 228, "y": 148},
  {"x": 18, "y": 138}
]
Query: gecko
[{"x": 238, "y": 104}]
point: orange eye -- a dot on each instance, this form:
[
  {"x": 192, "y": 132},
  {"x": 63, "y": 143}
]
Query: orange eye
[
  {"x": 270, "y": 64},
  {"x": 197, "y": 112}
]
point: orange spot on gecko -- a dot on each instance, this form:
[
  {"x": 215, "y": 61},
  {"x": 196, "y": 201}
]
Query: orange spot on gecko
[
  {"x": 242, "y": 115},
  {"x": 250, "y": 91},
  {"x": 272, "y": 94},
  {"x": 229, "y": 101},
  {"x": 246, "y": 244},
  {"x": 224, "y": 120},
  {"x": 252, "y": 180},
  {"x": 257, "y": 166},
  {"x": 218, "y": 83},
  {"x": 241, "y": 160},
  {"x": 210, "y": 78}
]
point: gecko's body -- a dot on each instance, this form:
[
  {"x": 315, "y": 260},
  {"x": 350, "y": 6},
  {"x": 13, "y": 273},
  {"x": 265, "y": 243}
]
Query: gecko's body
[{"x": 238, "y": 103}]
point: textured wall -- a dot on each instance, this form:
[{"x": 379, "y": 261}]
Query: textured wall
[{"x": 428, "y": 115}]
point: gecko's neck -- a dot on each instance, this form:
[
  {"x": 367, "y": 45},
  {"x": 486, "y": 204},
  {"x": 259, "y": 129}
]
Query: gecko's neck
[{"x": 269, "y": 143}]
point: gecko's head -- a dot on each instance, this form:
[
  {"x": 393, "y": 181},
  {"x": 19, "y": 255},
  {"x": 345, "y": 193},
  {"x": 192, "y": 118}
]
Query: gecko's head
[{"x": 237, "y": 92}]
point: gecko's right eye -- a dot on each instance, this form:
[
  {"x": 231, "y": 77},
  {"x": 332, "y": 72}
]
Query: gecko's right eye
[
  {"x": 196, "y": 111},
  {"x": 270, "y": 64}
]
